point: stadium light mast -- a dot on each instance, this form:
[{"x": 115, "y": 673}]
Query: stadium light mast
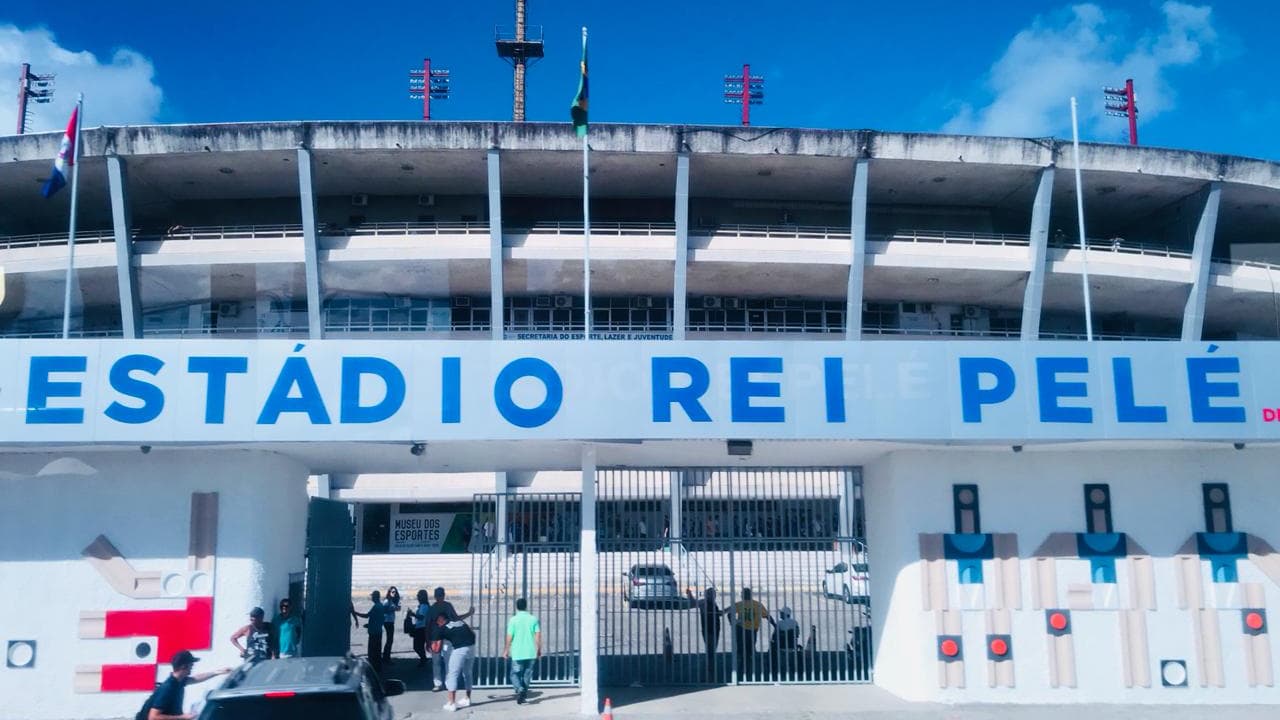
[
  {"x": 745, "y": 90},
  {"x": 521, "y": 50},
  {"x": 427, "y": 84},
  {"x": 32, "y": 88},
  {"x": 1120, "y": 103}
]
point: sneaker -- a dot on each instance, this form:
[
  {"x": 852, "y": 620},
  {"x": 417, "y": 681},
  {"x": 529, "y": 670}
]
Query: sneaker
[
  {"x": 450, "y": 707},
  {"x": 520, "y": 697},
  {"x": 464, "y": 702},
  {"x": 438, "y": 688}
]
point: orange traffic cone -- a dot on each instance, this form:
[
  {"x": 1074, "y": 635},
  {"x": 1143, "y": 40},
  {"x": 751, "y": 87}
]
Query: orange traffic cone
[{"x": 608, "y": 710}]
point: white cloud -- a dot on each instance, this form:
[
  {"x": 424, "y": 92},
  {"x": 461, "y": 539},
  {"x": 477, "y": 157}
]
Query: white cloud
[
  {"x": 118, "y": 91},
  {"x": 1076, "y": 52}
]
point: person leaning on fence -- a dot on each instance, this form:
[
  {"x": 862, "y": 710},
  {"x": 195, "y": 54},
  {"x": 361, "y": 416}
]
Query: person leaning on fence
[
  {"x": 440, "y": 648},
  {"x": 523, "y": 647},
  {"x": 462, "y": 639},
  {"x": 784, "y": 645},
  {"x": 748, "y": 615},
  {"x": 709, "y": 614},
  {"x": 375, "y": 615}
]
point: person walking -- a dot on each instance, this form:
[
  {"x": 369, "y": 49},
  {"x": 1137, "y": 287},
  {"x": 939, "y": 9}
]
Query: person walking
[
  {"x": 462, "y": 639},
  {"x": 419, "y": 615},
  {"x": 709, "y": 615},
  {"x": 374, "y": 617},
  {"x": 440, "y": 648},
  {"x": 523, "y": 647},
  {"x": 748, "y": 615},
  {"x": 391, "y": 605},
  {"x": 288, "y": 627},
  {"x": 259, "y": 638},
  {"x": 165, "y": 702}
]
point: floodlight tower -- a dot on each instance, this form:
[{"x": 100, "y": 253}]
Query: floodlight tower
[
  {"x": 32, "y": 88},
  {"x": 520, "y": 49},
  {"x": 745, "y": 90},
  {"x": 1120, "y": 103},
  {"x": 427, "y": 84}
]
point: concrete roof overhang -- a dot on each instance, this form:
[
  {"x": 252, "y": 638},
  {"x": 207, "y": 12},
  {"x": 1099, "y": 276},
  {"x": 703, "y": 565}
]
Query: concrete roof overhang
[{"x": 235, "y": 161}]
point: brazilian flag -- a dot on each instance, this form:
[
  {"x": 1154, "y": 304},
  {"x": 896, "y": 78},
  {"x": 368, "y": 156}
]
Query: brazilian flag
[{"x": 578, "y": 110}]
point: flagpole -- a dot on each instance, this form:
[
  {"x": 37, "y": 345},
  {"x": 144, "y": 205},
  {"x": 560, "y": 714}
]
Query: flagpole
[
  {"x": 1084, "y": 247},
  {"x": 586, "y": 223},
  {"x": 71, "y": 231}
]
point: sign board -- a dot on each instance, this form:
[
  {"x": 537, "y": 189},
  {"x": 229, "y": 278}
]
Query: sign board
[
  {"x": 112, "y": 391},
  {"x": 419, "y": 532}
]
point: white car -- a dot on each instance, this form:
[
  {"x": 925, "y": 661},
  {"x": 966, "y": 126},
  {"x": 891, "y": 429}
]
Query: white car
[{"x": 849, "y": 581}]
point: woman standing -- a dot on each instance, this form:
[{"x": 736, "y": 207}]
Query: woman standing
[
  {"x": 392, "y": 605},
  {"x": 420, "y": 614}
]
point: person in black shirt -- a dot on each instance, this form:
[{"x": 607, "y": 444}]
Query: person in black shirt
[
  {"x": 440, "y": 651},
  {"x": 259, "y": 638},
  {"x": 165, "y": 702},
  {"x": 709, "y": 613},
  {"x": 462, "y": 640}
]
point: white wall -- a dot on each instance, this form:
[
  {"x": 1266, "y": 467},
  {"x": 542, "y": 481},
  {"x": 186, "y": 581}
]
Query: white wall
[
  {"x": 1155, "y": 498},
  {"x": 142, "y": 504}
]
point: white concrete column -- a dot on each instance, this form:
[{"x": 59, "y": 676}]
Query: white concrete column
[
  {"x": 496, "y": 320},
  {"x": 677, "y": 492},
  {"x": 680, "y": 296},
  {"x": 848, "y": 503},
  {"x": 323, "y": 487},
  {"x": 857, "y": 251},
  {"x": 589, "y": 630},
  {"x": 500, "y": 488},
  {"x": 126, "y": 274},
  {"x": 1033, "y": 298},
  {"x": 1201, "y": 260},
  {"x": 311, "y": 244}
]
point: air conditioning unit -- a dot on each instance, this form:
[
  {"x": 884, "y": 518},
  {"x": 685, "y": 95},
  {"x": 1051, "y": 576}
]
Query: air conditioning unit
[
  {"x": 780, "y": 303},
  {"x": 228, "y": 309},
  {"x": 733, "y": 303},
  {"x": 642, "y": 302},
  {"x": 564, "y": 301},
  {"x": 710, "y": 302},
  {"x": 462, "y": 301},
  {"x": 542, "y": 301},
  {"x": 427, "y": 200},
  {"x": 972, "y": 311},
  {"x": 360, "y": 200}
]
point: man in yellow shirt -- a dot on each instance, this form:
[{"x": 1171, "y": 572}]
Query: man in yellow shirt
[{"x": 748, "y": 615}]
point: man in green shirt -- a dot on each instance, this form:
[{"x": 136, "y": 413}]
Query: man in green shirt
[{"x": 524, "y": 646}]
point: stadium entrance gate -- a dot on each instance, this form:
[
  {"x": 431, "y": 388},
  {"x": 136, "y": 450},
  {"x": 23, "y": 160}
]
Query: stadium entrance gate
[
  {"x": 678, "y": 548},
  {"x": 538, "y": 561}
]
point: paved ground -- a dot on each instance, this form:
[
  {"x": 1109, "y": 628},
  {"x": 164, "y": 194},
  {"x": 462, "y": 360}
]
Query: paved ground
[
  {"x": 793, "y": 703},
  {"x": 759, "y": 702}
]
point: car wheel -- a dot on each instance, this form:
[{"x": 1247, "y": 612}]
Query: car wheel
[{"x": 848, "y": 596}]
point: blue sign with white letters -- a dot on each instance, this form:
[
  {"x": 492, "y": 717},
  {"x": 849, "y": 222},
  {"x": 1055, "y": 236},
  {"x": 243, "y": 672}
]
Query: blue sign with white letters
[{"x": 54, "y": 391}]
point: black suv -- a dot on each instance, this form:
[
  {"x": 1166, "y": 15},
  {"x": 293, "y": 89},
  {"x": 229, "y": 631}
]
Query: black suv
[{"x": 322, "y": 688}]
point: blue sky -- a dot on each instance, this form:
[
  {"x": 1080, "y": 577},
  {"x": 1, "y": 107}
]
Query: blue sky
[{"x": 1205, "y": 70}]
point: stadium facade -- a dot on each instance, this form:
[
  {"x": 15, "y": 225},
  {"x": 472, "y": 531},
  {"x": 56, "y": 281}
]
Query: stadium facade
[{"x": 847, "y": 368}]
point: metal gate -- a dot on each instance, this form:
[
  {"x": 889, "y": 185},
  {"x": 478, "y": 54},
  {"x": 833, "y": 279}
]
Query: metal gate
[
  {"x": 685, "y": 585},
  {"x": 538, "y": 561},
  {"x": 330, "y": 542}
]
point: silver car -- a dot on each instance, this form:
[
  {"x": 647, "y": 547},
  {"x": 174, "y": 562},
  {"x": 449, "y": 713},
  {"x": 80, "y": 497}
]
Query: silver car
[{"x": 651, "y": 585}]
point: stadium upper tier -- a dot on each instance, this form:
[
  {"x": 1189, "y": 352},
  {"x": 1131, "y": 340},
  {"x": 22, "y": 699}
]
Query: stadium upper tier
[{"x": 338, "y": 228}]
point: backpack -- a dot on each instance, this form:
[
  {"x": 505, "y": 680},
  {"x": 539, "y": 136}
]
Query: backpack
[{"x": 408, "y": 624}]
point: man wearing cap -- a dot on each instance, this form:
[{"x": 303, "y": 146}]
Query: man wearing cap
[
  {"x": 165, "y": 702},
  {"x": 260, "y": 641}
]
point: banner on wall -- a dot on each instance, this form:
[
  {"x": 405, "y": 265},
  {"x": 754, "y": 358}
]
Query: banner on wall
[
  {"x": 426, "y": 533},
  {"x": 110, "y": 391}
]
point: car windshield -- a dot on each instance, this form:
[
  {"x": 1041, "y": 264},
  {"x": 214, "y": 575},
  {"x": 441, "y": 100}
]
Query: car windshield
[
  {"x": 651, "y": 571},
  {"x": 311, "y": 706}
]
